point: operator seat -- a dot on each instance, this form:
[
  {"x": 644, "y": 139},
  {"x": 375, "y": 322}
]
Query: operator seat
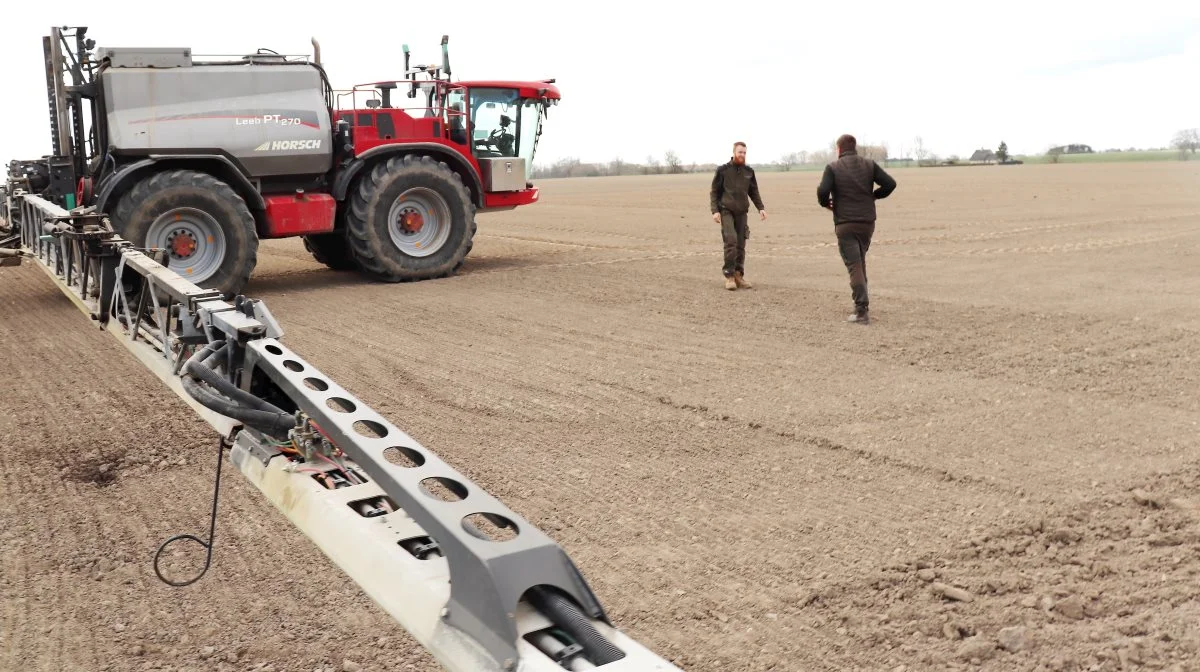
[{"x": 458, "y": 133}]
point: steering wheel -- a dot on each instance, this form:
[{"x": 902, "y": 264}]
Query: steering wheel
[
  {"x": 492, "y": 138},
  {"x": 499, "y": 138}
]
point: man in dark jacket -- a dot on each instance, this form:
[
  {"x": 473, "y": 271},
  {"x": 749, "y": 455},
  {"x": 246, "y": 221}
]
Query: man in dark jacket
[
  {"x": 846, "y": 189},
  {"x": 733, "y": 186}
]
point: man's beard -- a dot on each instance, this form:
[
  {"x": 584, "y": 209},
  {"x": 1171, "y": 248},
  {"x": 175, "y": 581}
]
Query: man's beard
[{"x": 740, "y": 160}]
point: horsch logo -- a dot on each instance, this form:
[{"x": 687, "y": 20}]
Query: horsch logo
[{"x": 285, "y": 145}]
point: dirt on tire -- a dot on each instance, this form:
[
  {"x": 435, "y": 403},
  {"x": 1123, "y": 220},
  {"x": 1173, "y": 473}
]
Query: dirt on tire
[{"x": 999, "y": 473}]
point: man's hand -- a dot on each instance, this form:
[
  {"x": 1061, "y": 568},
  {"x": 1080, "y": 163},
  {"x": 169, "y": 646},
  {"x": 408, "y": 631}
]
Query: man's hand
[
  {"x": 762, "y": 215},
  {"x": 717, "y": 217}
]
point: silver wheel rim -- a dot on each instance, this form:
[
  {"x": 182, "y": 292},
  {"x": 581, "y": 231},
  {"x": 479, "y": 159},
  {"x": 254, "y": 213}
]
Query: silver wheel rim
[
  {"x": 194, "y": 242},
  {"x": 427, "y": 207}
]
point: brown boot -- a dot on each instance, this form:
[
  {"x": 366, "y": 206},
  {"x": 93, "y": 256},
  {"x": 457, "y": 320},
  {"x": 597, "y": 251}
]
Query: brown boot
[
  {"x": 742, "y": 283},
  {"x": 730, "y": 283}
]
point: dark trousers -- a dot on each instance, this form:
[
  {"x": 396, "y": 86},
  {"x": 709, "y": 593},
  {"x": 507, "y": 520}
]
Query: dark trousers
[
  {"x": 734, "y": 231},
  {"x": 854, "y": 239}
]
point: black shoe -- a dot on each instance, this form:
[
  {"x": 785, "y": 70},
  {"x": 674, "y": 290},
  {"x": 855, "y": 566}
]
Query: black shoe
[{"x": 859, "y": 318}]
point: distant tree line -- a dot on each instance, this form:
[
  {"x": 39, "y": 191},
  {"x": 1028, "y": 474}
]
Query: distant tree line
[
  {"x": 1187, "y": 141},
  {"x": 825, "y": 155},
  {"x": 670, "y": 164}
]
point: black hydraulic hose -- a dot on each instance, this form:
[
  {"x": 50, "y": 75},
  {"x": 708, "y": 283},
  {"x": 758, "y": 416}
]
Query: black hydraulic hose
[
  {"x": 575, "y": 623},
  {"x": 201, "y": 355},
  {"x": 206, "y": 352},
  {"x": 197, "y": 367},
  {"x": 263, "y": 415},
  {"x": 208, "y": 375},
  {"x": 265, "y": 421}
]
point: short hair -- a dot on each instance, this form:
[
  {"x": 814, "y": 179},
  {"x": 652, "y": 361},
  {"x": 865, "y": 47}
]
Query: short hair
[
  {"x": 846, "y": 142},
  {"x": 737, "y": 144}
]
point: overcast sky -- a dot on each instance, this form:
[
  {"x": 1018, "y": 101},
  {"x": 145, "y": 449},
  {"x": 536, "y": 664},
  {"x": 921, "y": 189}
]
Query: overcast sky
[{"x": 695, "y": 76}]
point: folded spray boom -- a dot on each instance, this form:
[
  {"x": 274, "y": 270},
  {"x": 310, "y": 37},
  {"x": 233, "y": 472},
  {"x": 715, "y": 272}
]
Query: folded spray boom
[{"x": 476, "y": 584}]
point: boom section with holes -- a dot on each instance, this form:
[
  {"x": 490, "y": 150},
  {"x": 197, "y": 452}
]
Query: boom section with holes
[{"x": 475, "y": 583}]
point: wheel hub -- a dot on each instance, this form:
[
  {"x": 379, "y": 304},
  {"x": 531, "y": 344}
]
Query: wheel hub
[
  {"x": 419, "y": 222},
  {"x": 411, "y": 221},
  {"x": 194, "y": 241},
  {"x": 182, "y": 244}
]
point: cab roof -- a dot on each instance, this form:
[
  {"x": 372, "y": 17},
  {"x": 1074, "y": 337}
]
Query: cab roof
[{"x": 543, "y": 89}]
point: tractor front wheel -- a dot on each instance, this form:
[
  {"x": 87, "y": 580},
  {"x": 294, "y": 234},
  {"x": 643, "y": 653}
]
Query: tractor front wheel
[
  {"x": 202, "y": 223},
  {"x": 410, "y": 218}
]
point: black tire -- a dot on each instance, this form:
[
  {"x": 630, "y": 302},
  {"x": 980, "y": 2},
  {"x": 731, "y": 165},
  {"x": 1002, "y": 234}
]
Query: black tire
[
  {"x": 369, "y": 224},
  {"x": 203, "y": 194},
  {"x": 331, "y": 249}
]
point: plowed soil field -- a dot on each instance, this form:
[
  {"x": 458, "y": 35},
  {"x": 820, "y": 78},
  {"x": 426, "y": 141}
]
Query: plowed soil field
[{"x": 1001, "y": 472}]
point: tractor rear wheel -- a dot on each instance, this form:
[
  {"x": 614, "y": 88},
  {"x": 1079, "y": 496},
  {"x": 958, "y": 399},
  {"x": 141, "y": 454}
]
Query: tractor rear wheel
[
  {"x": 202, "y": 223},
  {"x": 410, "y": 218},
  {"x": 331, "y": 249}
]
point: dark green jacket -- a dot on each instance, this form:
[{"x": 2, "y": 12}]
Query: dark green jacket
[{"x": 733, "y": 187}]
